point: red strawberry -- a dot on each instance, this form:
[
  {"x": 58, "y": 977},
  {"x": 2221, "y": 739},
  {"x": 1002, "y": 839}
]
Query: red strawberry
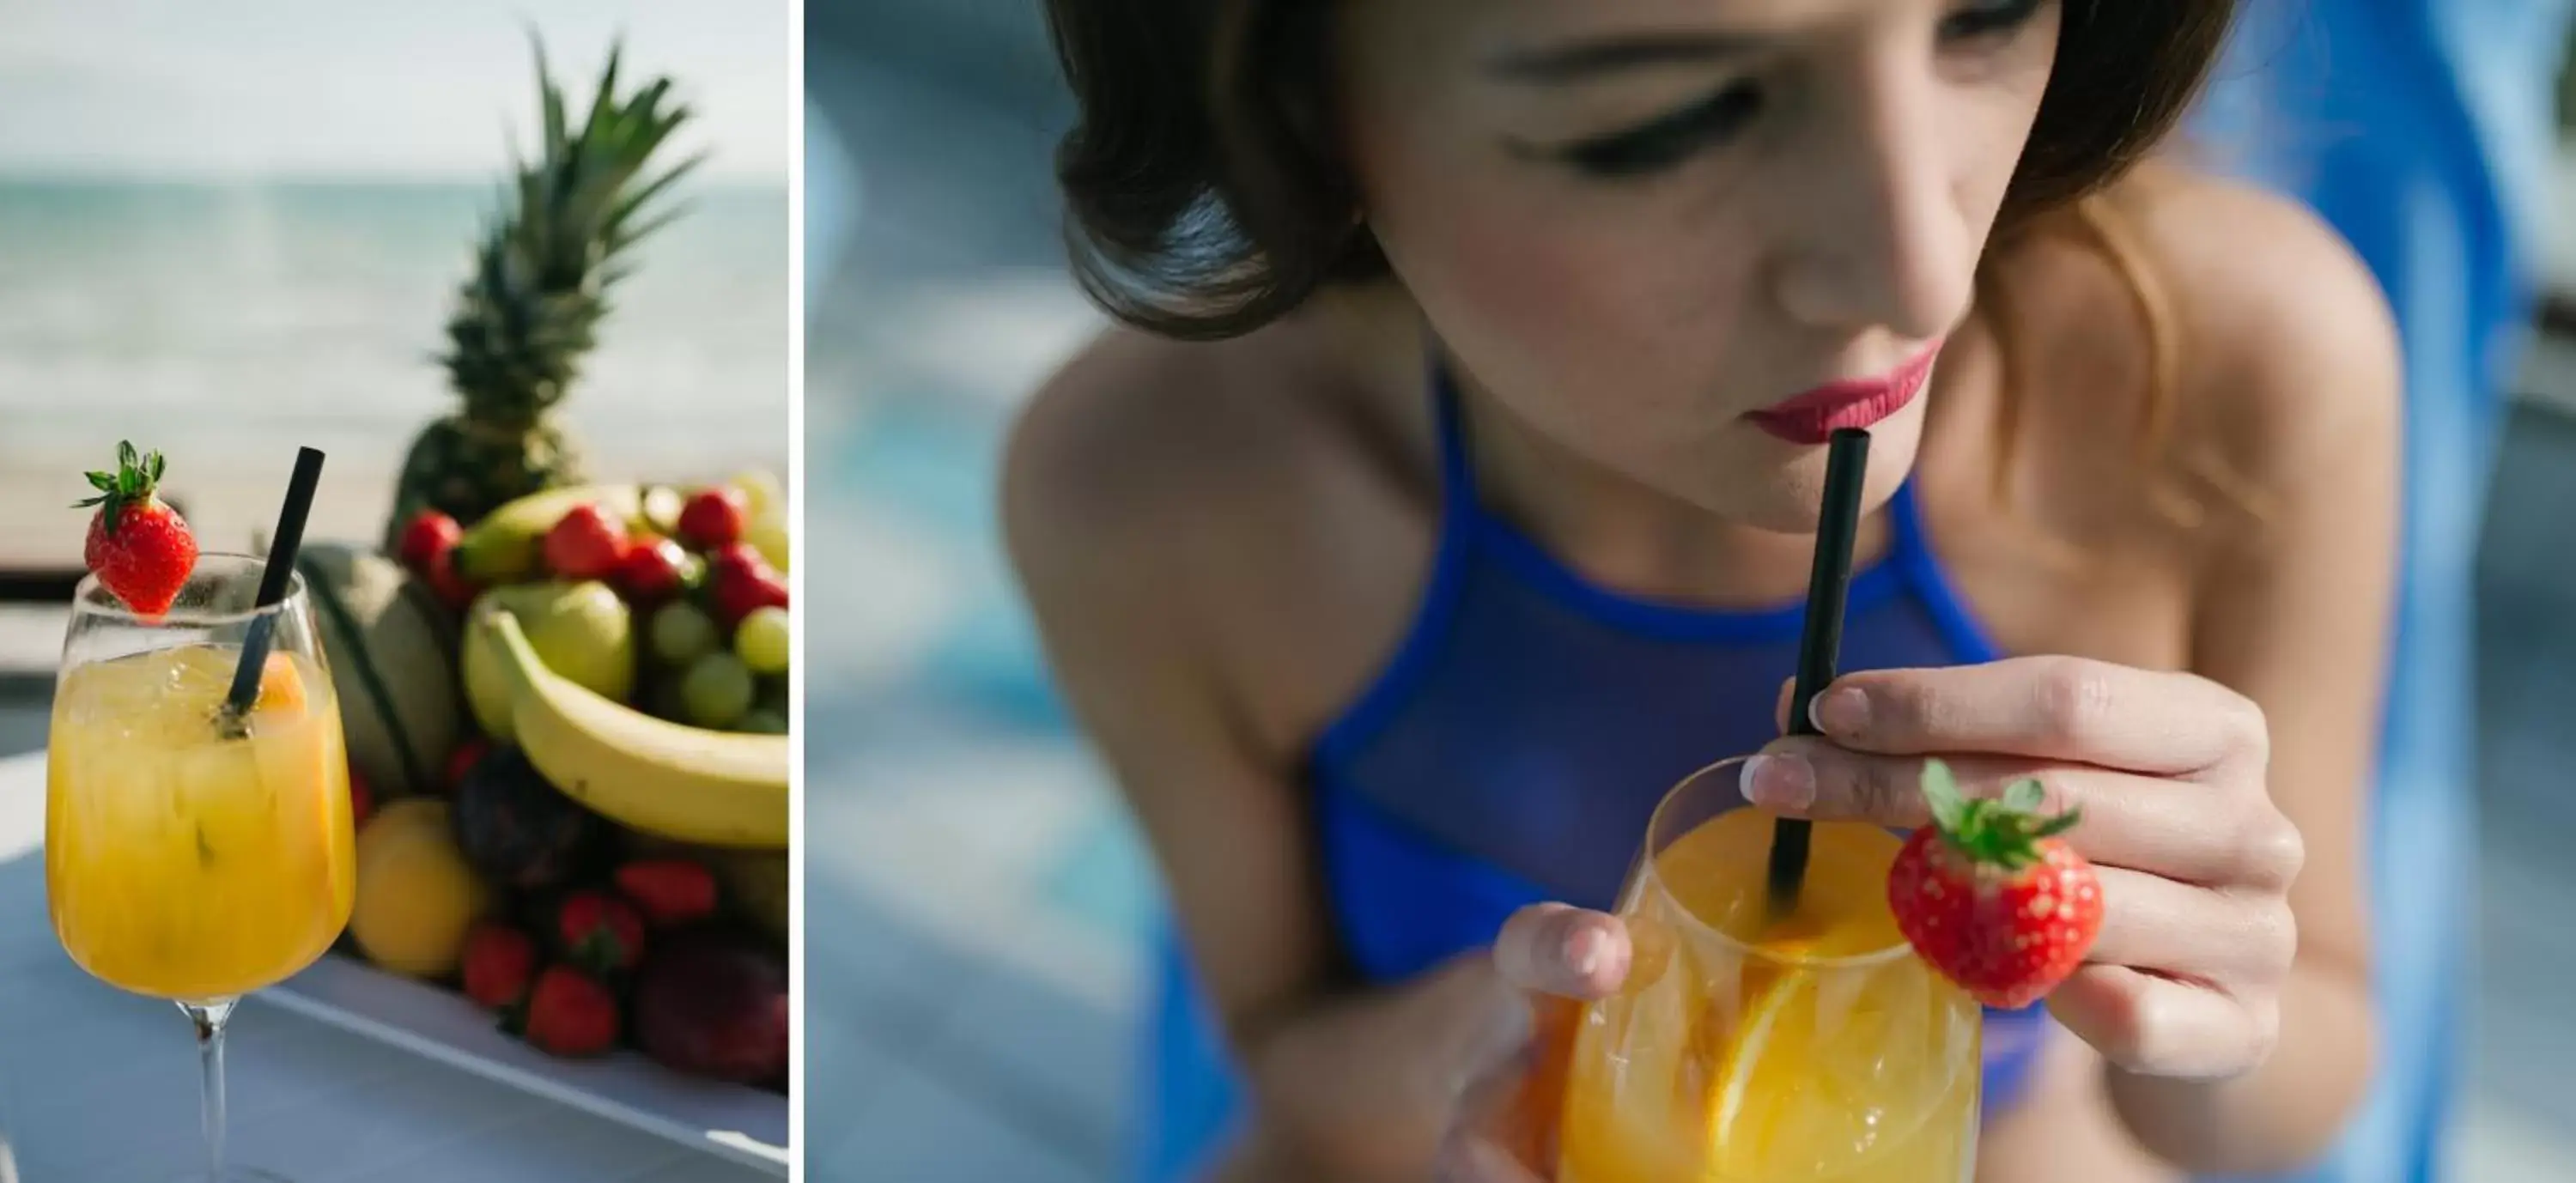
[
  {"x": 499, "y": 961},
  {"x": 463, "y": 760},
  {"x": 655, "y": 570},
  {"x": 671, "y": 891},
  {"x": 585, "y": 543},
  {"x": 569, "y": 1014},
  {"x": 735, "y": 559},
  {"x": 600, "y": 931},
  {"x": 427, "y": 541},
  {"x": 139, "y": 547},
  {"x": 1990, "y": 896},
  {"x": 362, "y": 800},
  {"x": 740, "y": 582},
  {"x": 451, "y": 586},
  {"x": 714, "y": 516}
]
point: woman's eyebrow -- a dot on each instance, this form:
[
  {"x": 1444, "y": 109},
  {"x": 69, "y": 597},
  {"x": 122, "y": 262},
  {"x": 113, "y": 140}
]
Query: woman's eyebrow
[{"x": 1594, "y": 58}]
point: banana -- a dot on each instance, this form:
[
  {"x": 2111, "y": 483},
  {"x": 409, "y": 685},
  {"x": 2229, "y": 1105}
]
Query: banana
[
  {"x": 710, "y": 787},
  {"x": 507, "y": 546}
]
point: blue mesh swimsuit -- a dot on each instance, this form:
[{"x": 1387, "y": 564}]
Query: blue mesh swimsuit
[{"x": 1512, "y": 751}]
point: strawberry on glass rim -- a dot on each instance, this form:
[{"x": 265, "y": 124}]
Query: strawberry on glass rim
[
  {"x": 140, "y": 548},
  {"x": 1989, "y": 895}
]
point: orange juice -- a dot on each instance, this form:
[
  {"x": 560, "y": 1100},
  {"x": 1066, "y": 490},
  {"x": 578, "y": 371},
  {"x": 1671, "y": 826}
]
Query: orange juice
[
  {"x": 182, "y": 863},
  {"x": 1754, "y": 1050}
]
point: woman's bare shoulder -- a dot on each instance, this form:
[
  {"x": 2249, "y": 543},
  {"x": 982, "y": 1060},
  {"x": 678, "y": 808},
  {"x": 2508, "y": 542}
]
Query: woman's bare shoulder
[
  {"x": 1164, "y": 458},
  {"x": 1136, "y": 432},
  {"x": 2286, "y": 349}
]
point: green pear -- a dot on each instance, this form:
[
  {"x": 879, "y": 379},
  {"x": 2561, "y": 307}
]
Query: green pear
[{"x": 581, "y": 631}]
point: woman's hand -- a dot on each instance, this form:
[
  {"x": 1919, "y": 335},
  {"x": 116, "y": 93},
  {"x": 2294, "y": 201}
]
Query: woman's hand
[
  {"x": 1547, "y": 958},
  {"x": 2195, "y": 861}
]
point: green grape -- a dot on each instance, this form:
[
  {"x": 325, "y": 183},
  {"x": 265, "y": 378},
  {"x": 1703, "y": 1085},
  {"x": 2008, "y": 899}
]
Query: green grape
[
  {"x": 762, "y": 495},
  {"x": 717, "y": 691},
  {"x": 662, "y": 510},
  {"x": 682, "y": 633},
  {"x": 763, "y": 641},
  {"x": 763, "y": 722}
]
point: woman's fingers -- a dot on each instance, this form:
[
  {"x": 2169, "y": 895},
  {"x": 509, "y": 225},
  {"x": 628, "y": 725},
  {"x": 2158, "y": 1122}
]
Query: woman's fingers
[
  {"x": 2192, "y": 933},
  {"x": 2047, "y": 708},
  {"x": 2159, "y": 1026},
  {"x": 2176, "y": 828},
  {"x": 1563, "y": 950}
]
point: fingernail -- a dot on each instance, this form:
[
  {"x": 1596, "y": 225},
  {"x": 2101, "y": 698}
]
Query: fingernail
[
  {"x": 1843, "y": 710},
  {"x": 1583, "y": 951},
  {"x": 1779, "y": 781}
]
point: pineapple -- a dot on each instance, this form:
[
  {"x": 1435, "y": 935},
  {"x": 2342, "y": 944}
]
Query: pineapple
[{"x": 532, "y": 306}]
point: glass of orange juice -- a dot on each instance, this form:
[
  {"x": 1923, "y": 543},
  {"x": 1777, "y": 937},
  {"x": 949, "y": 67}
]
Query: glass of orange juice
[
  {"x": 192, "y": 852},
  {"x": 1753, "y": 1048}
]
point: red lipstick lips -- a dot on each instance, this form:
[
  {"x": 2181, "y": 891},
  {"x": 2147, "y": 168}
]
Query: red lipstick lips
[{"x": 1813, "y": 417}]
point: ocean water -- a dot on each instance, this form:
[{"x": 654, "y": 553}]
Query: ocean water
[{"x": 225, "y": 321}]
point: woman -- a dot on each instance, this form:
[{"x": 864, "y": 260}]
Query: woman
[{"x": 1393, "y": 670}]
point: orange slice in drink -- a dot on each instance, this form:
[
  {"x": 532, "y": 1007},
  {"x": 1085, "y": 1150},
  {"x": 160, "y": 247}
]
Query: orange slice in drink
[
  {"x": 1760, "y": 1066},
  {"x": 1826, "y": 1069},
  {"x": 281, "y": 687}
]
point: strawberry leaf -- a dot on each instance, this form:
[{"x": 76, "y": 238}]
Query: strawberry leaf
[
  {"x": 600, "y": 951},
  {"x": 2001, "y": 832},
  {"x": 136, "y": 476},
  {"x": 1950, "y": 809},
  {"x": 2057, "y": 825}
]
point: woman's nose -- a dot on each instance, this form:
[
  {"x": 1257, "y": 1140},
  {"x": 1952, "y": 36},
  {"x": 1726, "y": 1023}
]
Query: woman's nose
[{"x": 1877, "y": 235}]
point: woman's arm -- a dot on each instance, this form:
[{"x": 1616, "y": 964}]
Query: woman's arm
[
  {"x": 1116, "y": 518},
  {"x": 2297, "y": 617}
]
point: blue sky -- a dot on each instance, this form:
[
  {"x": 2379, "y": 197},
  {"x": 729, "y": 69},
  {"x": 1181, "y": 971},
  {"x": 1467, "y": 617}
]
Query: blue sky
[{"x": 362, "y": 89}]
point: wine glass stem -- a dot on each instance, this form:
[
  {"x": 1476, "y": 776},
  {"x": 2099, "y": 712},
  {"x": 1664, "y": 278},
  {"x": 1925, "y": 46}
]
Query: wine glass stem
[{"x": 210, "y": 1019}]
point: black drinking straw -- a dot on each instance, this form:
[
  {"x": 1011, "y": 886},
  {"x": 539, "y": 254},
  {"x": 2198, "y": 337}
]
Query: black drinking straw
[
  {"x": 273, "y": 580},
  {"x": 1820, "y": 644}
]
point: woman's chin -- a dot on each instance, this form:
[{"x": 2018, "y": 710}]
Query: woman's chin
[{"x": 1778, "y": 485}]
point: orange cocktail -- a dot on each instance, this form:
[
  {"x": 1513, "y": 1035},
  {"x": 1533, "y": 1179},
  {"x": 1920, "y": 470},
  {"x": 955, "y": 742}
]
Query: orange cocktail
[{"x": 1749, "y": 1048}]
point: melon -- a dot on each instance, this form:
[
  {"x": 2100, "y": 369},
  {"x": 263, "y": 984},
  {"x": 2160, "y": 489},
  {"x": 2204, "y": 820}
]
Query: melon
[{"x": 392, "y": 652}]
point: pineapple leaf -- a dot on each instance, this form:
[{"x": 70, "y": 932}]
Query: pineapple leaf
[
  {"x": 603, "y": 106},
  {"x": 568, "y": 213},
  {"x": 552, "y": 127},
  {"x": 628, "y": 238},
  {"x": 627, "y": 205}
]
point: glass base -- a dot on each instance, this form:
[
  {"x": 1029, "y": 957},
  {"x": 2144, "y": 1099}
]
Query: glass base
[{"x": 232, "y": 1175}]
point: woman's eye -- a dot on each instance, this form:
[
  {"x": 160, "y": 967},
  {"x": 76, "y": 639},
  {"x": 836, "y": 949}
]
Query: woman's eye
[
  {"x": 1995, "y": 18},
  {"x": 1671, "y": 139}
]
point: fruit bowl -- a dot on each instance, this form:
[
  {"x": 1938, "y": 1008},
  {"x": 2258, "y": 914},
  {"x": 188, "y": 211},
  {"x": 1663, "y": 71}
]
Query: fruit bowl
[
  {"x": 743, "y": 1124},
  {"x": 567, "y": 736}
]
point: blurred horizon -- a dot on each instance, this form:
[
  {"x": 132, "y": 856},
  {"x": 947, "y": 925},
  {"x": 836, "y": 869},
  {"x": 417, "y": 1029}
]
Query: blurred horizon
[{"x": 234, "y": 229}]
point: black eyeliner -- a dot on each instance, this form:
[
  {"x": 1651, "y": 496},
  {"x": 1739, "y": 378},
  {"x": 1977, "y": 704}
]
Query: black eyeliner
[
  {"x": 1667, "y": 140},
  {"x": 1989, "y": 22}
]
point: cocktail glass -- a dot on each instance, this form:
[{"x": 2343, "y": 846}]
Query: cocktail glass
[
  {"x": 1752, "y": 1048},
  {"x": 193, "y": 853}
]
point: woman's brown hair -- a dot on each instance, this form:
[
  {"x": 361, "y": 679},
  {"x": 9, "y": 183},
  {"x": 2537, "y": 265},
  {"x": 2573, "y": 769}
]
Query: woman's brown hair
[{"x": 1207, "y": 198}]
